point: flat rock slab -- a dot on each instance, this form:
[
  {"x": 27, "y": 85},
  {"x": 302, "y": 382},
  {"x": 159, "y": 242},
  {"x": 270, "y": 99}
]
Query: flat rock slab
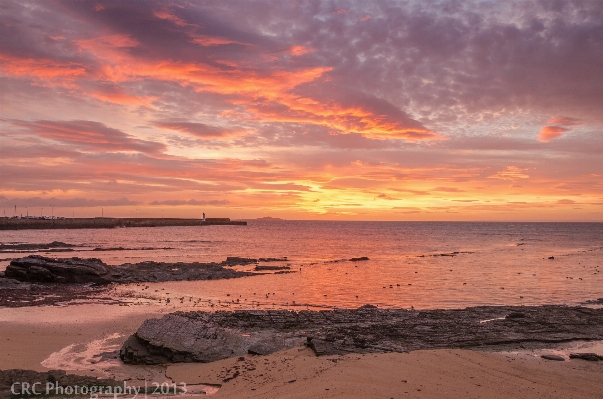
[
  {"x": 553, "y": 357},
  {"x": 32, "y": 247},
  {"x": 207, "y": 337},
  {"x": 592, "y": 357},
  {"x": 40, "y": 269}
]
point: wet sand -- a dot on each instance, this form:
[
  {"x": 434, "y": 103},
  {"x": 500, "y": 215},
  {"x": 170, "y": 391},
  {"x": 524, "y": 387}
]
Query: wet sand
[
  {"x": 297, "y": 373},
  {"x": 29, "y": 338}
]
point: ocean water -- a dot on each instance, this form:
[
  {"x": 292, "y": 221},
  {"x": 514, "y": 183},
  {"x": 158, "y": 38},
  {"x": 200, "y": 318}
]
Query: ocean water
[{"x": 424, "y": 265}]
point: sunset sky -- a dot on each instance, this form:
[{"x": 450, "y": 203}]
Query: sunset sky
[{"x": 351, "y": 110}]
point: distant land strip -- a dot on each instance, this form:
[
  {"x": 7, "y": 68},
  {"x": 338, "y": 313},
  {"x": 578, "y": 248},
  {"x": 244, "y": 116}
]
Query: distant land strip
[{"x": 109, "y": 223}]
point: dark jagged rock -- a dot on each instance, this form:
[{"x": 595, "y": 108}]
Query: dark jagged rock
[
  {"x": 17, "y": 295},
  {"x": 206, "y": 337},
  {"x": 129, "y": 249},
  {"x": 161, "y": 271},
  {"x": 33, "y": 247},
  {"x": 11, "y": 283},
  {"x": 53, "y": 377},
  {"x": 553, "y": 357},
  {"x": 35, "y": 268},
  {"x": 236, "y": 261},
  {"x": 283, "y": 259},
  {"x": 266, "y": 267},
  {"x": 592, "y": 357},
  {"x": 359, "y": 259}
]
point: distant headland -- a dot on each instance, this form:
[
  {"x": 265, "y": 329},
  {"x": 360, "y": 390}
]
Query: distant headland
[{"x": 108, "y": 223}]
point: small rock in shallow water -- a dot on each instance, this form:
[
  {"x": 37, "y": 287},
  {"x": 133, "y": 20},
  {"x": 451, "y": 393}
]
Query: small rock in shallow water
[
  {"x": 592, "y": 357},
  {"x": 553, "y": 357}
]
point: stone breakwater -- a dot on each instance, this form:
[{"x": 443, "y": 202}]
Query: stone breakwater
[
  {"x": 40, "y": 269},
  {"x": 109, "y": 223},
  {"x": 207, "y": 337}
]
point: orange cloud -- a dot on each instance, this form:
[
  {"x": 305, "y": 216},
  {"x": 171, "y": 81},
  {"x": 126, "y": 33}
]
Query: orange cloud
[
  {"x": 548, "y": 133},
  {"x": 207, "y": 41},
  {"x": 250, "y": 85},
  {"x": 170, "y": 17},
  {"x": 89, "y": 135},
  {"x": 199, "y": 130},
  {"x": 123, "y": 98},
  {"x": 344, "y": 119},
  {"x": 566, "y": 202},
  {"x": 108, "y": 48},
  {"x": 40, "y": 68},
  {"x": 300, "y": 50},
  {"x": 266, "y": 95}
]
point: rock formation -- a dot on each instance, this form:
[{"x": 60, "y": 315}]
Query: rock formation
[
  {"x": 35, "y": 268},
  {"x": 206, "y": 337}
]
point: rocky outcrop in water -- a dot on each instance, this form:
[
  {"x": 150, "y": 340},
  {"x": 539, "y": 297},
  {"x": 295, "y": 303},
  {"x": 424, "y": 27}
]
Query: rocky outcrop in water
[
  {"x": 27, "y": 246},
  {"x": 261, "y": 268},
  {"x": 237, "y": 261},
  {"x": 35, "y": 268},
  {"x": 206, "y": 337},
  {"x": 591, "y": 357}
]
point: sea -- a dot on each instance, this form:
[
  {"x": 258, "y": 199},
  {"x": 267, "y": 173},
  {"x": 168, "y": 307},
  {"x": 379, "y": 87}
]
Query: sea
[{"x": 421, "y": 265}]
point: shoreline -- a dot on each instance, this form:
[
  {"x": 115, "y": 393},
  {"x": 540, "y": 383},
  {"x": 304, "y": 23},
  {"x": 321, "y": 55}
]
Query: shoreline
[{"x": 73, "y": 337}]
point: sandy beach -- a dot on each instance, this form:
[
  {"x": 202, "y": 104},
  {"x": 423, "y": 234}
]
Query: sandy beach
[
  {"x": 70, "y": 338},
  {"x": 297, "y": 372}
]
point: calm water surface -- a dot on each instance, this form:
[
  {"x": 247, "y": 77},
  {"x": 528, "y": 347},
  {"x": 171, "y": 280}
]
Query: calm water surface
[{"x": 492, "y": 263}]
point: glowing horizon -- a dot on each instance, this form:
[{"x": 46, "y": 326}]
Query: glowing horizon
[{"x": 307, "y": 110}]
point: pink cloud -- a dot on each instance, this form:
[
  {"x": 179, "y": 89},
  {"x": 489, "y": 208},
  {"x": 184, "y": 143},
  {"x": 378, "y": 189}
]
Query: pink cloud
[
  {"x": 300, "y": 50},
  {"x": 564, "y": 121},
  {"x": 548, "y": 133},
  {"x": 89, "y": 136},
  {"x": 199, "y": 130},
  {"x": 510, "y": 173}
]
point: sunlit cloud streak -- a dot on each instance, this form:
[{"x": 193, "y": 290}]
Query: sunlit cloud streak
[
  {"x": 89, "y": 135},
  {"x": 62, "y": 203}
]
